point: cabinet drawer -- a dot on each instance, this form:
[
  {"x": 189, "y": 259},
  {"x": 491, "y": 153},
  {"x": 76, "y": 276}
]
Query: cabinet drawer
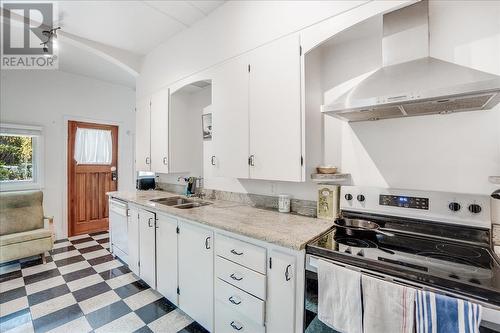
[
  {"x": 241, "y": 277},
  {"x": 240, "y": 301},
  {"x": 246, "y": 254},
  {"x": 229, "y": 321}
]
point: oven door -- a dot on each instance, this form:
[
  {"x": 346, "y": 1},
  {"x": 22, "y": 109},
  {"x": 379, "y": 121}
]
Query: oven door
[{"x": 490, "y": 318}]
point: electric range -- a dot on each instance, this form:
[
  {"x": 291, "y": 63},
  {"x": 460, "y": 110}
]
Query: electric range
[{"x": 440, "y": 242}]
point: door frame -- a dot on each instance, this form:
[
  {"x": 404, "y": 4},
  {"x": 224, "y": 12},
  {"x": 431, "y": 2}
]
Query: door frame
[{"x": 66, "y": 119}]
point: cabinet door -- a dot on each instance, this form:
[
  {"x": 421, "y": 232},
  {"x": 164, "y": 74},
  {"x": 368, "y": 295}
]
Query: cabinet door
[
  {"x": 143, "y": 135},
  {"x": 133, "y": 239},
  {"x": 230, "y": 118},
  {"x": 159, "y": 131},
  {"x": 196, "y": 273},
  {"x": 166, "y": 257},
  {"x": 275, "y": 111},
  {"x": 281, "y": 293},
  {"x": 147, "y": 253}
]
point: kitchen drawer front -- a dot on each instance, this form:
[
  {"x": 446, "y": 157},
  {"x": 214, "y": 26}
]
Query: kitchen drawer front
[
  {"x": 246, "y": 254},
  {"x": 229, "y": 321},
  {"x": 240, "y": 301},
  {"x": 241, "y": 277}
]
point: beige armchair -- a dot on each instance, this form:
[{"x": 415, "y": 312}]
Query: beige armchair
[{"x": 22, "y": 226}]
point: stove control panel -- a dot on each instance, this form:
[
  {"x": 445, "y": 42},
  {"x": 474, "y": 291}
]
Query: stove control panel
[
  {"x": 471, "y": 210},
  {"x": 404, "y": 201}
]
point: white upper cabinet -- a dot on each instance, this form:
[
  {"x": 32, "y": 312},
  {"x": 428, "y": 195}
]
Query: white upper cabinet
[
  {"x": 159, "y": 131},
  {"x": 230, "y": 119},
  {"x": 143, "y": 135},
  {"x": 275, "y": 111}
]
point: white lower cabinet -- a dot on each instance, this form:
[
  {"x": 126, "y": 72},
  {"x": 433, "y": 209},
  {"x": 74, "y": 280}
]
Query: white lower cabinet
[
  {"x": 133, "y": 239},
  {"x": 196, "y": 273},
  {"x": 227, "y": 284},
  {"x": 166, "y": 257},
  {"x": 281, "y": 285},
  {"x": 147, "y": 253}
]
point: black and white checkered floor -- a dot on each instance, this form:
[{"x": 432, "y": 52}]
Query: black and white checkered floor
[{"x": 82, "y": 288}]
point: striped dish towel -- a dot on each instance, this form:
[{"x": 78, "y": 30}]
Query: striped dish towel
[{"x": 442, "y": 314}]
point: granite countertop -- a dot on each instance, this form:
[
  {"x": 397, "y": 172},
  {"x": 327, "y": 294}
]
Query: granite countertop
[{"x": 287, "y": 230}]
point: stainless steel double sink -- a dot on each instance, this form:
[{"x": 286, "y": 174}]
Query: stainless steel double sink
[{"x": 181, "y": 202}]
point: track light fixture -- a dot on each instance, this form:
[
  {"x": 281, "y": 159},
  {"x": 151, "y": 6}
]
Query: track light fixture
[{"x": 51, "y": 35}]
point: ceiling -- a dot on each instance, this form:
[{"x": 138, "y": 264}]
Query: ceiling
[
  {"x": 134, "y": 26},
  {"x": 103, "y": 37}
]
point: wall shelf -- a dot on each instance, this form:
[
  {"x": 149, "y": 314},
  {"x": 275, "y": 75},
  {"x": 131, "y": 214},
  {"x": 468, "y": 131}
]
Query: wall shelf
[{"x": 335, "y": 178}]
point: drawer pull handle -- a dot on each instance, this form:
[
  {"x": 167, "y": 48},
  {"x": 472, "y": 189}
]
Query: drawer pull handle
[
  {"x": 233, "y": 251},
  {"x": 231, "y": 299},
  {"x": 233, "y": 325},
  {"x": 287, "y": 273},
  {"x": 234, "y": 277}
]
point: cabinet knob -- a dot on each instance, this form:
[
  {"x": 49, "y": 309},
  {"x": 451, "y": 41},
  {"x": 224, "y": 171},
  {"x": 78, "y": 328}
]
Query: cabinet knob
[
  {"x": 212, "y": 160},
  {"x": 207, "y": 243},
  {"x": 454, "y": 206},
  {"x": 147, "y": 160},
  {"x": 475, "y": 208},
  {"x": 165, "y": 161}
]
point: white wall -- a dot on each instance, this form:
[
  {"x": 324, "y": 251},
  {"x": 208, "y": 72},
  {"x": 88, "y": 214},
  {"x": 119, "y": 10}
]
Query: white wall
[
  {"x": 453, "y": 153},
  {"x": 50, "y": 98},
  {"x": 230, "y": 30}
]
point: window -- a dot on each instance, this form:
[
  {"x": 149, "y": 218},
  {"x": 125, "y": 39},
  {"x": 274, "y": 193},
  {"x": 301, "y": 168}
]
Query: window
[
  {"x": 93, "y": 146},
  {"x": 20, "y": 157}
]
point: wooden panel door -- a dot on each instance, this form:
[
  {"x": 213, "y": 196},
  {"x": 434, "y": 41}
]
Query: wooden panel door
[
  {"x": 88, "y": 209},
  {"x": 230, "y": 119},
  {"x": 275, "y": 111},
  {"x": 196, "y": 273},
  {"x": 159, "y": 131}
]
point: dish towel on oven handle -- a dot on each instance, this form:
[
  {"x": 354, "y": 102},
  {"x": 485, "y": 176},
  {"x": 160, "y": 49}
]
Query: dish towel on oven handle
[
  {"x": 387, "y": 307},
  {"x": 339, "y": 297},
  {"x": 437, "y": 313}
]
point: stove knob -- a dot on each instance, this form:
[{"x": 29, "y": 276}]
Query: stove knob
[
  {"x": 360, "y": 197},
  {"x": 361, "y": 253},
  {"x": 348, "y": 197},
  {"x": 454, "y": 206},
  {"x": 475, "y": 208}
]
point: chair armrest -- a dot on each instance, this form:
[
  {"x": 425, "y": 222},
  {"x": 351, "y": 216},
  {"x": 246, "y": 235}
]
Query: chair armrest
[{"x": 50, "y": 219}]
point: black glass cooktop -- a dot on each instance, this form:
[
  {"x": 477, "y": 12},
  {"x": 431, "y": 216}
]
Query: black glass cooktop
[{"x": 456, "y": 266}]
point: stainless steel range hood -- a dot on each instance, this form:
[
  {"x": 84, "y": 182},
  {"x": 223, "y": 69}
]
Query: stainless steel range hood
[{"x": 411, "y": 85}]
